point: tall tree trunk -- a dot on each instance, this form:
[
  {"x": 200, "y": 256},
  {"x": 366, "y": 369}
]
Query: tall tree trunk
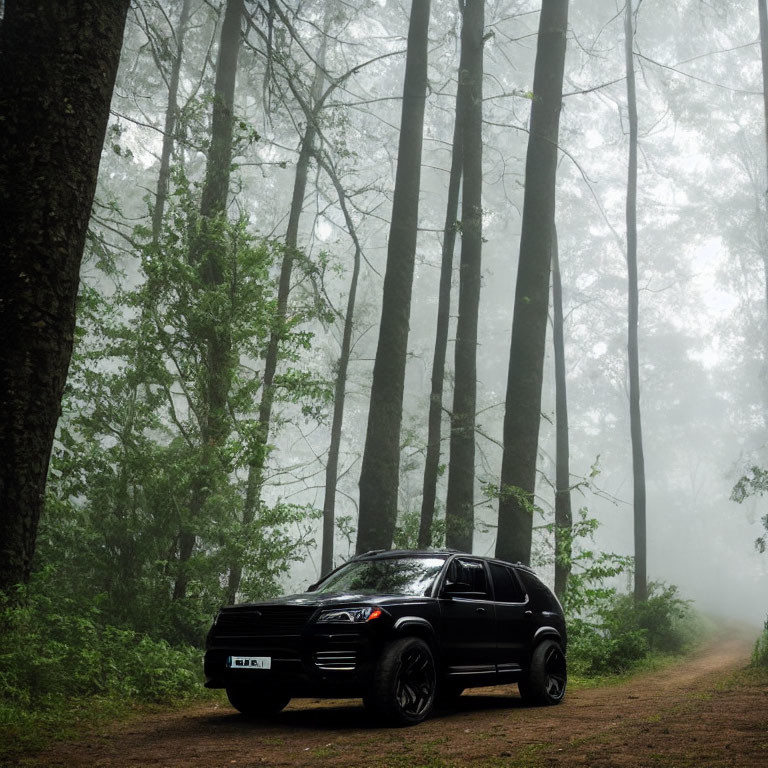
[
  {"x": 169, "y": 128},
  {"x": 638, "y": 461},
  {"x": 529, "y": 326},
  {"x": 563, "y": 514},
  {"x": 206, "y": 252},
  {"x": 379, "y": 476},
  {"x": 339, "y": 397},
  {"x": 459, "y": 508},
  {"x": 434, "y": 421},
  {"x": 256, "y": 467},
  {"x": 57, "y": 70}
]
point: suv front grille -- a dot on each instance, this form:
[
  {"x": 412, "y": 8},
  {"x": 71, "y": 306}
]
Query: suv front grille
[
  {"x": 267, "y": 621},
  {"x": 336, "y": 660}
]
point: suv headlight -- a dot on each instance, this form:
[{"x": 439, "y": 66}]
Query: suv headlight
[{"x": 349, "y": 615}]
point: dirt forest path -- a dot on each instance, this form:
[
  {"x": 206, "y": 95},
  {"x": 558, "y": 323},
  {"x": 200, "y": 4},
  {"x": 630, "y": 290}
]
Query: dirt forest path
[{"x": 692, "y": 714}]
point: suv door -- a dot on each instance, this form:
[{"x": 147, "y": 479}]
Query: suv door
[
  {"x": 468, "y": 622},
  {"x": 513, "y": 620}
]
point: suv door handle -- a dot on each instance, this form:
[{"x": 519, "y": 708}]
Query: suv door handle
[
  {"x": 479, "y": 610},
  {"x": 529, "y": 613}
]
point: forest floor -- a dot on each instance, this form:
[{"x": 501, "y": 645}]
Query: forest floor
[{"x": 705, "y": 711}]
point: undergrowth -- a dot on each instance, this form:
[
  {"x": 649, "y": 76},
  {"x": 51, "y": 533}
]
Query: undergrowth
[
  {"x": 619, "y": 635},
  {"x": 62, "y": 666},
  {"x": 760, "y": 654}
]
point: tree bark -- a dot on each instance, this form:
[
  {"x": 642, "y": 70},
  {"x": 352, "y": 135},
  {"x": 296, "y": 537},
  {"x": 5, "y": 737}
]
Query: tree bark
[
  {"x": 434, "y": 420},
  {"x": 207, "y": 253},
  {"x": 381, "y": 457},
  {"x": 459, "y": 508},
  {"x": 638, "y": 460},
  {"x": 529, "y": 326},
  {"x": 57, "y": 71},
  {"x": 563, "y": 513}
]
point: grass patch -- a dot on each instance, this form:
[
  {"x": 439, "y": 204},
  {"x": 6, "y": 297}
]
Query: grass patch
[
  {"x": 655, "y": 662},
  {"x": 25, "y": 731}
]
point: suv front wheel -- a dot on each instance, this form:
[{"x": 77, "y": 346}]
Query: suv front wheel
[
  {"x": 404, "y": 682},
  {"x": 547, "y": 676}
]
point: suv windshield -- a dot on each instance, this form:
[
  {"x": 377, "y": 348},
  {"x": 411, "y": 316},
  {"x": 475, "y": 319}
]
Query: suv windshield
[{"x": 387, "y": 576}]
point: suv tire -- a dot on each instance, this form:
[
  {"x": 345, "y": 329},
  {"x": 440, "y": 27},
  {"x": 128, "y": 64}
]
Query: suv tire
[
  {"x": 547, "y": 675},
  {"x": 250, "y": 704},
  {"x": 404, "y": 682}
]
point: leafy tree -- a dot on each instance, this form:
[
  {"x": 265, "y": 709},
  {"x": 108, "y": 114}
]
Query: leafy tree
[{"x": 205, "y": 255}]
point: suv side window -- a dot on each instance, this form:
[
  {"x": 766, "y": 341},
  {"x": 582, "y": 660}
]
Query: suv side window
[
  {"x": 506, "y": 587},
  {"x": 536, "y": 589},
  {"x": 470, "y": 572}
]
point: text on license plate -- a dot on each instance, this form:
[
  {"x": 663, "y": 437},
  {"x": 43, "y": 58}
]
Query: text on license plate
[{"x": 249, "y": 662}]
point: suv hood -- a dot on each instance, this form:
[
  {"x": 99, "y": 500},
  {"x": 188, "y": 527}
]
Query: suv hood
[{"x": 314, "y": 600}]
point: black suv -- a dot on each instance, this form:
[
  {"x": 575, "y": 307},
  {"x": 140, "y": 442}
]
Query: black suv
[{"x": 402, "y": 629}]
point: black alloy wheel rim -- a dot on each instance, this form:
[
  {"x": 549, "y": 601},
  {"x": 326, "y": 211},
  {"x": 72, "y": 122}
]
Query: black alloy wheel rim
[
  {"x": 554, "y": 673},
  {"x": 415, "y": 685}
]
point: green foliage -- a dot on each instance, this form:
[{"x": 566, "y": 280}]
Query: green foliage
[
  {"x": 760, "y": 654},
  {"x": 620, "y": 632},
  {"x": 55, "y": 645},
  {"x": 754, "y": 483},
  {"x": 61, "y": 664},
  {"x": 158, "y": 438},
  {"x": 407, "y": 530}
]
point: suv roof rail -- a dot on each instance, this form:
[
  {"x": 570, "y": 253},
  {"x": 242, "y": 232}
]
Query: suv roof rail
[{"x": 369, "y": 553}]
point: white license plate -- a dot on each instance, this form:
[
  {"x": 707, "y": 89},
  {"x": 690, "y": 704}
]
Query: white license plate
[{"x": 249, "y": 662}]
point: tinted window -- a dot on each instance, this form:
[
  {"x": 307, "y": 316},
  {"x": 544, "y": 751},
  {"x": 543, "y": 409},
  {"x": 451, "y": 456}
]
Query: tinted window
[
  {"x": 536, "y": 589},
  {"x": 506, "y": 587},
  {"x": 388, "y": 576},
  {"x": 470, "y": 572}
]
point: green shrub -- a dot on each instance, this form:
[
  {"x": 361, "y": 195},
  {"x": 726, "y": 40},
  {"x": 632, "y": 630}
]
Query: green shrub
[
  {"x": 760, "y": 654},
  {"x": 55, "y": 647},
  {"x": 619, "y": 632}
]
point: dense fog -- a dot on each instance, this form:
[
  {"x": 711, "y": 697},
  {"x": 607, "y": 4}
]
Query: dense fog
[{"x": 701, "y": 261}]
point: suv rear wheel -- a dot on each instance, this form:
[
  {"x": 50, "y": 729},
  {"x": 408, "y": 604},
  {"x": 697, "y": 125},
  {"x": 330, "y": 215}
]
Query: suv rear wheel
[
  {"x": 404, "y": 682},
  {"x": 547, "y": 675},
  {"x": 250, "y": 704}
]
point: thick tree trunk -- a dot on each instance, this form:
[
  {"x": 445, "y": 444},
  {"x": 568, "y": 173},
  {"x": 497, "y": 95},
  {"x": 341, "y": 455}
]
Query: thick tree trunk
[
  {"x": 434, "y": 421},
  {"x": 638, "y": 461},
  {"x": 206, "y": 252},
  {"x": 379, "y": 476},
  {"x": 169, "y": 128},
  {"x": 529, "y": 327},
  {"x": 459, "y": 508},
  {"x": 57, "y": 69},
  {"x": 563, "y": 514}
]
